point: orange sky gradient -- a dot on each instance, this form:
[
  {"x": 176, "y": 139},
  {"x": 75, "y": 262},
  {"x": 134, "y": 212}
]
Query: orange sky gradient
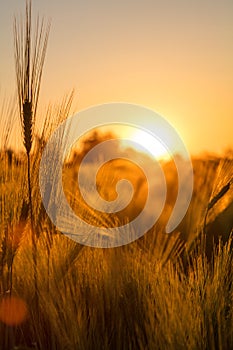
[{"x": 175, "y": 57}]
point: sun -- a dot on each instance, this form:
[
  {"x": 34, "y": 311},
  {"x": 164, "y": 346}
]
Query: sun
[
  {"x": 143, "y": 142},
  {"x": 146, "y": 142}
]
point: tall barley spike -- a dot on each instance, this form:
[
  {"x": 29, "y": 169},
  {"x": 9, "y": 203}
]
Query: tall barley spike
[
  {"x": 29, "y": 61},
  {"x": 30, "y": 54}
]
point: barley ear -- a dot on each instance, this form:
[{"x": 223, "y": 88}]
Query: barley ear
[
  {"x": 220, "y": 194},
  {"x": 27, "y": 125}
]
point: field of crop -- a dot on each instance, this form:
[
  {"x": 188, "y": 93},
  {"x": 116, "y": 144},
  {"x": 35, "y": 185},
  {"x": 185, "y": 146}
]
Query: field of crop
[{"x": 159, "y": 292}]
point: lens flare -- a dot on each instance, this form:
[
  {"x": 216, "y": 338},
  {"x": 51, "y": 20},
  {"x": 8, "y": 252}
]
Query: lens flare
[{"x": 13, "y": 311}]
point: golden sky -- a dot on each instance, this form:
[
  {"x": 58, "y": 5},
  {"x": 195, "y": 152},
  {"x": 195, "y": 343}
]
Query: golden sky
[{"x": 175, "y": 57}]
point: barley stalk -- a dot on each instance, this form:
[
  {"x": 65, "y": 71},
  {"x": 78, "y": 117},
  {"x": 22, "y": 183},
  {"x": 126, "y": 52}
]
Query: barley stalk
[{"x": 29, "y": 61}]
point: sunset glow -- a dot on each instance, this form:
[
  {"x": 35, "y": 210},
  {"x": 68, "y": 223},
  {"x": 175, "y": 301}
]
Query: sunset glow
[{"x": 174, "y": 57}]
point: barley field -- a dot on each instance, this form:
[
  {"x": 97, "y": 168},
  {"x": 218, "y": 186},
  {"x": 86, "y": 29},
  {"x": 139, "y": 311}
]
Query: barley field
[
  {"x": 162, "y": 291},
  {"x": 159, "y": 292}
]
